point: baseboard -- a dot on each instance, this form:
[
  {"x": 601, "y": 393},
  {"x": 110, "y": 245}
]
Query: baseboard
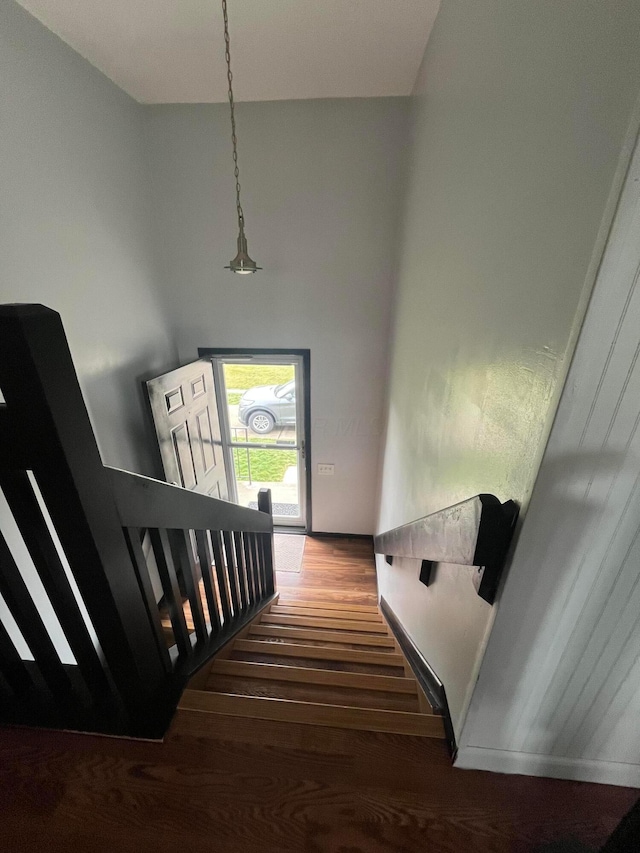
[
  {"x": 341, "y": 535},
  {"x": 530, "y": 764},
  {"x": 425, "y": 676}
]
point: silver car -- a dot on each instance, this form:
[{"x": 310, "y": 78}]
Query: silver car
[{"x": 266, "y": 406}]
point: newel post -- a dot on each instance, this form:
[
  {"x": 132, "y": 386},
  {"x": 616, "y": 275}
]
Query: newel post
[{"x": 264, "y": 505}]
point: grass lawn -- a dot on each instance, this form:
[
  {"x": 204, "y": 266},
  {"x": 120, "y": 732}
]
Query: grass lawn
[
  {"x": 267, "y": 466},
  {"x": 243, "y": 376}
]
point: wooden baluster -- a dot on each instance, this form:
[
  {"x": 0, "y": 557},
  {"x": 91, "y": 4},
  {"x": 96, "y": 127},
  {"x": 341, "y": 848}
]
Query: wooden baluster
[
  {"x": 221, "y": 575},
  {"x": 248, "y": 563},
  {"x": 257, "y": 566},
  {"x": 231, "y": 572},
  {"x": 261, "y": 563},
  {"x": 18, "y": 599},
  {"x": 183, "y": 550},
  {"x": 242, "y": 571},
  {"x": 206, "y": 568},
  {"x": 7, "y": 695},
  {"x": 134, "y": 543},
  {"x": 12, "y": 666},
  {"x": 44, "y": 554},
  {"x": 254, "y": 590},
  {"x": 167, "y": 572}
]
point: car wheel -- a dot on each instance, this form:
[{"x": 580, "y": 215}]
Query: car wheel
[{"x": 261, "y": 422}]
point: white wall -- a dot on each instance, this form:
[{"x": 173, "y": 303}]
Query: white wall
[
  {"x": 76, "y": 225},
  {"x": 321, "y": 191},
  {"x": 520, "y": 114},
  {"x": 559, "y": 688}
]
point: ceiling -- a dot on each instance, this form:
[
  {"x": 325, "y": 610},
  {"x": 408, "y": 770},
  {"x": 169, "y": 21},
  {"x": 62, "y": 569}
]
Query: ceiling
[{"x": 172, "y": 51}]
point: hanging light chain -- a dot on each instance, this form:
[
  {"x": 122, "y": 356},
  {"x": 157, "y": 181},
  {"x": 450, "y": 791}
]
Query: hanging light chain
[{"x": 234, "y": 140}]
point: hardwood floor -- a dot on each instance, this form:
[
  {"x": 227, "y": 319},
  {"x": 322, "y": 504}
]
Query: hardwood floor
[
  {"x": 333, "y": 570},
  {"x": 256, "y": 785}
]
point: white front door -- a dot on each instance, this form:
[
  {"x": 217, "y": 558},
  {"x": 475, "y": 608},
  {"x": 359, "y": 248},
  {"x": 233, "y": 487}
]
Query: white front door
[{"x": 185, "y": 414}]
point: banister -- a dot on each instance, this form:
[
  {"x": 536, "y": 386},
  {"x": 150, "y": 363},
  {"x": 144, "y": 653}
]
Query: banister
[
  {"x": 475, "y": 532},
  {"x": 145, "y": 502},
  {"x": 146, "y": 580}
]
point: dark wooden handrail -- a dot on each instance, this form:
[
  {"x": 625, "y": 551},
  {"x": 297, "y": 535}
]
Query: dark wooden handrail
[
  {"x": 475, "y": 532},
  {"x": 145, "y": 502}
]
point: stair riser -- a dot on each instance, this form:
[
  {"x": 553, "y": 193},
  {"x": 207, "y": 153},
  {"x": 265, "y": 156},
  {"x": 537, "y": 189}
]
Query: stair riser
[
  {"x": 283, "y": 610},
  {"x": 313, "y": 693},
  {"x": 334, "y": 624},
  {"x": 302, "y": 634},
  {"x": 364, "y": 719},
  {"x": 244, "y": 669},
  {"x": 264, "y": 647},
  {"x": 322, "y": 605}
]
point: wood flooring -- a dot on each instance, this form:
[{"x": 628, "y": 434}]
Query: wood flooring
[{"x": 248, "y": 785}]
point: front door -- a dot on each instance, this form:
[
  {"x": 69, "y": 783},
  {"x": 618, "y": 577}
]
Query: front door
[{"x": 185, "y": 413}]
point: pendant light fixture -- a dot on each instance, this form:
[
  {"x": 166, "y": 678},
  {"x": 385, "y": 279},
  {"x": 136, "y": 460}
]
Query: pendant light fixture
[{"x": 242, "y": 263}]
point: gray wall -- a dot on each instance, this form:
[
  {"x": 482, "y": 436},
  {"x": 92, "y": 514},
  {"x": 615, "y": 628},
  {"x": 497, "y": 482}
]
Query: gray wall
[
  {"x": 559, "y": 687},
  {"x": 520, "y": 114},
  {"x": 321, "y": 193},
  {"x": 76, "y": 225}
]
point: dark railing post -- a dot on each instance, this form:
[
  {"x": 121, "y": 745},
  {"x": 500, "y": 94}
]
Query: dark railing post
[{"x": 264, "y": 505}]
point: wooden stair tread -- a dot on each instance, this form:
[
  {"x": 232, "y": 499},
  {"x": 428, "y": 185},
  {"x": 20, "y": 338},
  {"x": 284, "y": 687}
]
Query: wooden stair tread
[
  {"x": 310, "y": 713},
  {"x": 319, "y": 652},
  {"x": 318, "y": 622},
  {"x": 309, "y": 663},
  {"x": 323, "y": 694},
  {"x": 324, "y": 605},
  {"x": 290, "y": 593},
  {"x": 328, "y": 644},
  {"x": 285, "y": 610},
  {"x": 328, "y": 636},
  {"x": 386, "y": 683}
]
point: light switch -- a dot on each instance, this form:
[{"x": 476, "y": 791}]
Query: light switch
[{"x": 326, "y": 468}]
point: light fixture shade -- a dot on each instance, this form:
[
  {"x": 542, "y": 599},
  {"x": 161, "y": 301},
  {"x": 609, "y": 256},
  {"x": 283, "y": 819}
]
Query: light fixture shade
[{"x": 242, "y": 263}]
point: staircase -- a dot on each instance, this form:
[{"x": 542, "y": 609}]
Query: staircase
[{"x": 332, "y": 665}]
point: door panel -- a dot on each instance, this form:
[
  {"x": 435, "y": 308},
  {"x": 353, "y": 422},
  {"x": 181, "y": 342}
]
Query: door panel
[
  {"x": 183, "y": 456},
  {"x": 185, "y": 414}
]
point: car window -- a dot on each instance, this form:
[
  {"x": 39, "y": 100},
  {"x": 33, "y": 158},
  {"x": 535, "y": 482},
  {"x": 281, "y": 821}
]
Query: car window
[{"x": 284, "y": 389}]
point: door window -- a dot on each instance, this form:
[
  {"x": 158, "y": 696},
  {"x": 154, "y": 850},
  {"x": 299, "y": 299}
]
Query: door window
[{"x": 263, "y": 431}]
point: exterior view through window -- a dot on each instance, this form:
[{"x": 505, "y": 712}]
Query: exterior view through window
[{"x": 263, "y": 432}]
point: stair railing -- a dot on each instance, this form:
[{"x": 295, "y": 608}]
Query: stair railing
[
  {"x": 476, "y": 532},
  {"x": 202, "y": 548},
  {"x": 91, "y": 557}
]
